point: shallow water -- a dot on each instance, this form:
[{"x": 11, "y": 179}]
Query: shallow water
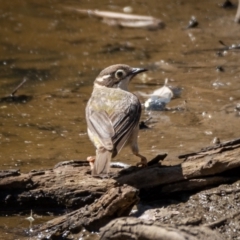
[{"x": 60, "y": 52}]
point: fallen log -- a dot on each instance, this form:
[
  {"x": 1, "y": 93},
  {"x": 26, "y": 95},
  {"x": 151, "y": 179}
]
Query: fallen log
[
  {"x": 208, "y": 162},
  {"x": 70, "y": 184},
  {"x": 133, "y": 228},
  {"x": 117, "y": 202}
]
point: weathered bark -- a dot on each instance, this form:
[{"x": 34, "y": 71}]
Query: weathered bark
[
  {"x": 71, "y": 185},
  {"x": 115, "y": 203},
  {"x": 208, "y": 162},
  {"x": 188, "y": 185},
  {"x": 133, "y": 228}
]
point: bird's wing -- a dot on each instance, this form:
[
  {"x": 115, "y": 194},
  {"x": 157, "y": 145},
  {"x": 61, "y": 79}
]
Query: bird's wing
[
  {"x": 124, "y": 123},
  {"x": 113, "y": 130},
  {"x": 100, "y": 126}
]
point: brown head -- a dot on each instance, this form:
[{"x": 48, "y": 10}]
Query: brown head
[{"x": 117, "y": 76}]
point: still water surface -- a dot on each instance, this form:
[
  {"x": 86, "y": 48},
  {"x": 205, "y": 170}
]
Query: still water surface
[{"x": 60, "y": 52}]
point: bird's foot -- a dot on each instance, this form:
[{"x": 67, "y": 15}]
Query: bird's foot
[
  {"x": 91, "y": 160},
  {"x": 143, "y": 162}
]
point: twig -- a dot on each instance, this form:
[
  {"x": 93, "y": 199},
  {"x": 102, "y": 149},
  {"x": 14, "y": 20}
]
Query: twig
[
  {"x": 221, "y": 42},
  {"x": 16, "y": 89}
]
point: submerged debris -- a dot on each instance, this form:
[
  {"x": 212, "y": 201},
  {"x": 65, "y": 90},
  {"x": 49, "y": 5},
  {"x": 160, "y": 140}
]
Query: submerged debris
[
  {"x": 127, "y": 9},
  {"x": 159, "y": 98},
  {"x": 20, "y": 85},
  {"x": 118, "y": 47},
  {"x": 30, "y": 219},
  {"x": 233, "y": 46},
  {"x": 227, "y": 4},
  {"x": 237, "y": 108},
  {"x": 216, "y": 140},
  {"x": 18, "y": 99},
  {"x": 143, "y": 124},
  {"x": 124, "y": 19},
  {"x": 192, "y": 23},
  {"x": 219, "y": 69}
]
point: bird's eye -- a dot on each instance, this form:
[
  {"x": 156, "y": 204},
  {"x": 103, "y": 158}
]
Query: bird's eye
[{"x": 120, "y": 74}]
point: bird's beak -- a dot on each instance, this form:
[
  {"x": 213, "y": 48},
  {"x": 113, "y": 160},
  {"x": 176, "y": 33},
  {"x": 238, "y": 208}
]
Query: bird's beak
[{"x": 135, "y": 71}]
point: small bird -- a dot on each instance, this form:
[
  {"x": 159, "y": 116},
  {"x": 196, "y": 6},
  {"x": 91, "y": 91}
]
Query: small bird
[{"x": 112, "y": 115}]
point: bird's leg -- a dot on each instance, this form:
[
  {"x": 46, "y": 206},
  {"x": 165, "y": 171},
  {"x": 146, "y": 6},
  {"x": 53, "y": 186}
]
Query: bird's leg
[
  {"x": 91, "y": 160},
  {"x": 135, "y": 151},
  {"x": 143, "y": 162}
]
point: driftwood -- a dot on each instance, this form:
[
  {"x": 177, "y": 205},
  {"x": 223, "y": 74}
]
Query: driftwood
[
  {"x": 208, "y": 162},
  {"x": 116, "y": 203},
  {"x": 124, "y": 19},
  {"x": 70, "y": 185},
  {"x": 133, "y": 228}
]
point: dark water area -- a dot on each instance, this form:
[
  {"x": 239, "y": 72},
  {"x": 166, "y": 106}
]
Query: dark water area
[{"x": 60, "y": 52}]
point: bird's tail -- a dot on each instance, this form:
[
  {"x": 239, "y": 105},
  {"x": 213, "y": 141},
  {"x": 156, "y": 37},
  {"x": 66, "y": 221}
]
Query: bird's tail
[{"x": 102, "y": 162}]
